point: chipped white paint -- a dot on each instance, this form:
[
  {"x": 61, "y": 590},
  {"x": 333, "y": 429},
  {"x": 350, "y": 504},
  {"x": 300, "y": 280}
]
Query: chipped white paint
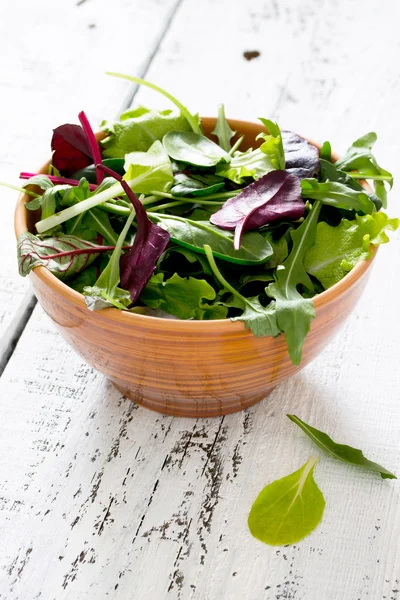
[{"x": 101, "y": 499}]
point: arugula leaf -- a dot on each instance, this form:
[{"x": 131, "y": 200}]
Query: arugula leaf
[
  {"x": 259, "y": 319},
  {"x": 326, "y": 152},
  {"x": 63, "y": 256},
  {"x": 338, "y": 249},
  {"x": 302, "y": 158},
  {"x": 360, "y": 158},
  {"x": 138, "y": 129},
  {"x": 274, "y": 196},
  {"x": 293, "y": 312},
  {"x": 273, "y": 146},
  {"x": 191, "y": 119},
  {"x": 342, "y": 452},
  {"x": 91, "y": 222},
  {"x": 193, "y": 148},
  {"x": 330, "y": 172},
  {"x": 194, "y": 235},
  {"x": 151, "y": 170},
  {"x": 337, "y": 194},
  {"x": 182, "y": 297},
  {"x": 105, "y": 293},
  {"x": 222, "y": 130},
  {"x": 288, "y": 509},
  {"x": 71, "y": 149}
]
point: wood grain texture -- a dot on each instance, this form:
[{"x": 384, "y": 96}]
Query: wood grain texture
[
  {"x": 99, "y": 499},
  {"x": 53, "y": 58}
]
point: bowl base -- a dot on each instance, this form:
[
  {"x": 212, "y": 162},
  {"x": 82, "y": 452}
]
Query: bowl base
[{"x": 189, "y": 408}]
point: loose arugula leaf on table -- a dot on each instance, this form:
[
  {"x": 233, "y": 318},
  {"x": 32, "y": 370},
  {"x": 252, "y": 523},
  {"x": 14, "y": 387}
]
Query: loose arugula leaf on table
[
  {"x": 273, "y": 197},
  {"x": 64, "y": 256},
  {"x": 330, "y": 172},
  {"x": 273, "y": 146},
  {"x": 337, "y": 194},
  {"x": 259, "y": 319},
  {"x": 193, "y": 148},
  {"x": 338, "y": 249},
  {"x": 105, "y": 293},
  {"x": 293, "y": 312},
  {"x": 151, "y": 170},
  {"x": 138, "y": 129},
  {"x": 71, "y": 149},
  {"x": 288, "y": 509},
  {"x": 302, "y": 158},
  {"x": 185, "y": 298},
  {"x": 194, "y": 235},
  {"x": 359, "y": 158},
  {"x": 222, "y": 130},
  {"x": 342, "y": 452}
]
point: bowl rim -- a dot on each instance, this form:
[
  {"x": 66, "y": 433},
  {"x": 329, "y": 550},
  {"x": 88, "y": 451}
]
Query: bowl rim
[{"x": 124, "y": 317}]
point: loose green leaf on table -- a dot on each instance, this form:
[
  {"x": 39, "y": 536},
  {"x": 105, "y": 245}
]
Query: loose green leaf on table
[
  {"x": 193, "y": 148},
  {"x": 255, "y": 248},
  {"x": 288, "y": 509},
  {"x": 293, "y": 312},
  {"x": 338, "y": 249},
  {"x": 222, "y": 130},
  {"x": 342, "y": 452}
]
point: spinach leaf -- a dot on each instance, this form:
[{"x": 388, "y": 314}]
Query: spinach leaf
[
  {"x": 293, "y": 312},
  {"x": 342, "y": 452},
  {"x": 273, "y": 197},
  {"x": 105, "y": 293},
  {"x": 288, "y": 509},
  {"x": 193, "y": 148},
  {"x": 196, "y": 185},
  {"x": 148, "y": 171},
  {"x": 273, "y": 146},
  {"x": 64, "y": 256},
  {"x": 302, "y": 158},
  {"x": 191, "y": 119},
  {"x": 337, "y": 194},
  {"x": 222, "y": 130},
  {"x": 259, "y": 319},
  {"x": 338, "y": 249},
  {"x": 194, "y": 235},
  {"x": 137, "y": 130},
  {"x": 330, "y": 172},
  {"x": 359, "y": 158},
  {"x": 184, "y": 298}
]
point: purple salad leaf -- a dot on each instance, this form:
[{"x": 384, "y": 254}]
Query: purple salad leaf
[
  {"x": 138, "y": 264},
  {"x": 275, "y": 196},
  {"x": 302, "y": 158},
  {"x": 71, "y": 149}
]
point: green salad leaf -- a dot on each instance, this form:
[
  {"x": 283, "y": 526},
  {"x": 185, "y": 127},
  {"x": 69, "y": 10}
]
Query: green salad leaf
[
  {"x": 185, "y": 298},
  {"x": 293, "y": 312},
  {"x": 151, "y": 170},
  {"x": 342, "y": 452},
  {"x": 330, "y": 172},
  {"x": 288, "y": 509},
  {"x": 338, "y": 249},
  {"x": 222, "y": 130},
  {"x": 193, "y": 148},
  {"x": 337, "y": 194},
  {"x": 252, "y": 163},
  {"x": 273, "y": 145},
  {"x": 138, "y": 129}
]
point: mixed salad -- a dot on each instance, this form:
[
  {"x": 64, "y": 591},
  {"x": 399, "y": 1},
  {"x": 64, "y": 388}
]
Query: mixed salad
[{"x": 157, "y": 218}]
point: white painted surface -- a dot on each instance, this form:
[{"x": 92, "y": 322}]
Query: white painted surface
[{"x": 101, "y": 499}]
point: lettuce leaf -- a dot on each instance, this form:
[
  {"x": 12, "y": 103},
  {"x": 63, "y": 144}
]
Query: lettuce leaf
[
  {"x": 338, "y": 249},
  {"x": 151, "y": 170},
  {"x": 138, "y": 129}
]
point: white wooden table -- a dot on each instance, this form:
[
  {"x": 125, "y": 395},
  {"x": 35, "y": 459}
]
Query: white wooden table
[{"x": 102, "y": 499}]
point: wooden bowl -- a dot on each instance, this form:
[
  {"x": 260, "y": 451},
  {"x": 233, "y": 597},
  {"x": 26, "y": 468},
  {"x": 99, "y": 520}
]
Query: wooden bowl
[{"x": 187, "y": 368}]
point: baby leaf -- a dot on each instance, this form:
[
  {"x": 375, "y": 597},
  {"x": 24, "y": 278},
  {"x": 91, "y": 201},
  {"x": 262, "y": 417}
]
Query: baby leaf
[
  {"x": 288, "y": 509},
  {"x": 302, "y": 158},
  {"x": 196, "y": 185},
  {"x": 272, "y": 145},
  {"x": 273, "y": 197},
  {"x": 293, "y": 312},
  {"x": 184, "y": 298},
  {"x": 347, "y": 454},
  {"x": 193, "y": 148},
  {"x": 338, "y": 249},
  {"x": 337, "y": 194},
  {"x": 252, "y": 163},
  {"x": 326, "y": 152},
  {"x": 330, "y": 172},
  {"x": 148, "y": 171},
  {"x": 255, "y": 248},
  {"x": 138, "y": 129},
  {"x": 71, "y": 149},
  {"x": 222, "y": 130}
]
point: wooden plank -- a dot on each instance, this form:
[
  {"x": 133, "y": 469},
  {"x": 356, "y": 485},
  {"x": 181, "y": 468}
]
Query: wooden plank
[
  {"x": 108, "y": 500},
  {"x": 56, "y": 69}
]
